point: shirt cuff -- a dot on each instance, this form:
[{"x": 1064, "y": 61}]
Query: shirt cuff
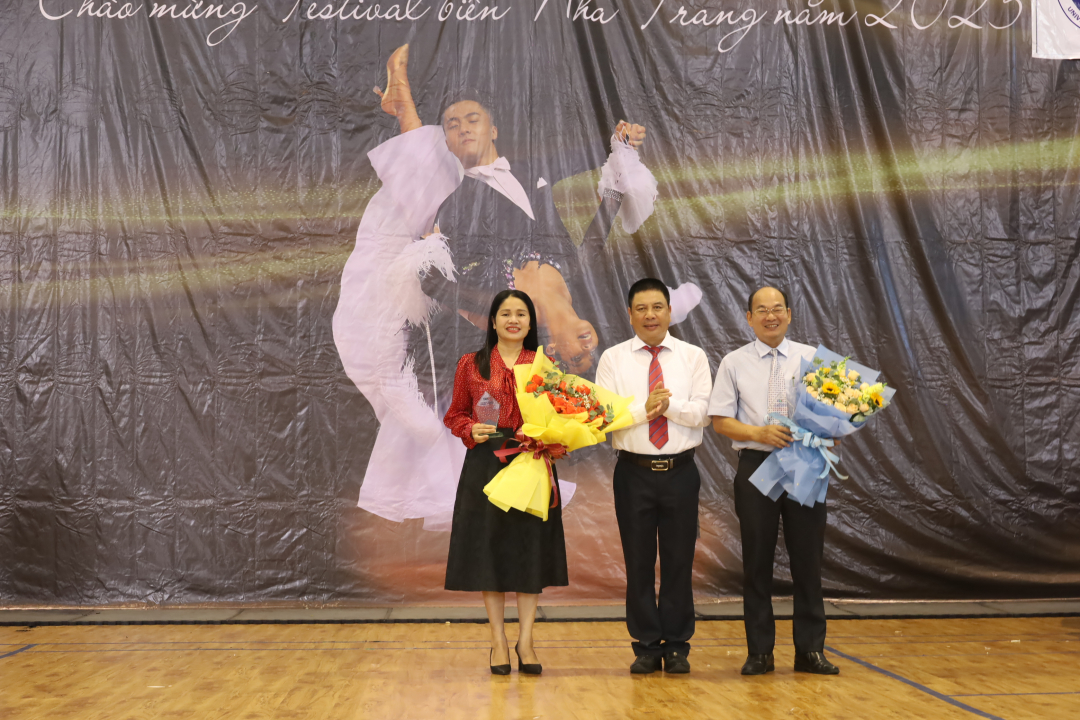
[
  {"x": 637, "y": 412},
  {"x": 675, "y": 407}
]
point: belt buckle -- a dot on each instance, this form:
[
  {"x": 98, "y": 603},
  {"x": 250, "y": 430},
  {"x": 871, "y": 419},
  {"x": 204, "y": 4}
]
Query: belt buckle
[{"x": 661, "y": 464}]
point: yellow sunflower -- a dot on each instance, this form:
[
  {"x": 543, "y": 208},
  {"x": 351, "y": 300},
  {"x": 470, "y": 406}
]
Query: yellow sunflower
[
  {"x": 877, "y": 399},
  {"x": 830, "y": 388}
]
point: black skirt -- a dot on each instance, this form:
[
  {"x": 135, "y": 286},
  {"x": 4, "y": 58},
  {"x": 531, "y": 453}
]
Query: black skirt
[{"x": 493, "y": 550}]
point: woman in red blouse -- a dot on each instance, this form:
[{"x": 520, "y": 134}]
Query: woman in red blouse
[{"x": 492, "y": 551}]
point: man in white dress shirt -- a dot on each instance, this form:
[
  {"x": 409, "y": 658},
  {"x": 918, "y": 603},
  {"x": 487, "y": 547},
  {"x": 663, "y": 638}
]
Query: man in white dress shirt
[
  {"x": 750, "y": 383},
  {"x": 656, "y": 481}
]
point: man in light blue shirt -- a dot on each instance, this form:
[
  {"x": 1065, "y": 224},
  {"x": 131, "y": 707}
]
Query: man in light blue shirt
[{"x": 751, "y": 382}]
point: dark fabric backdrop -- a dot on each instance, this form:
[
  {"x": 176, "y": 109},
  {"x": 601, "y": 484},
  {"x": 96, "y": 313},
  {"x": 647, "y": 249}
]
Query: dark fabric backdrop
[{"x": 175, "y": 424}]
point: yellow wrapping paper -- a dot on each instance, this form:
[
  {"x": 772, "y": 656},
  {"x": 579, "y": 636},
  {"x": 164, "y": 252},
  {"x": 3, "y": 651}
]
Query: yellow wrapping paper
[{"x": 525, "y": 484}]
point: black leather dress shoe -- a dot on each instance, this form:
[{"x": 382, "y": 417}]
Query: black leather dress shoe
[
  {"x": 815, "y": 663},
  {"x": 676, "y": 663},
  {"x": 645, "y": 664},
  {"x": 758, "y": 664}
]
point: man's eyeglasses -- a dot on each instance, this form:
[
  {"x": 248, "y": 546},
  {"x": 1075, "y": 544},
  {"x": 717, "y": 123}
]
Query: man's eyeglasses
[{"x": 778, "y": 311}]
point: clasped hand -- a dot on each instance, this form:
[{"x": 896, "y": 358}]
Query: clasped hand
[{"x": 657, "y": 403}]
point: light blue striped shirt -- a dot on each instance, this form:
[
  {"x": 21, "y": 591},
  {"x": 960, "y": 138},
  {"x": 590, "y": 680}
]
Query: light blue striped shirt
[{"x": 741, "y": 389}]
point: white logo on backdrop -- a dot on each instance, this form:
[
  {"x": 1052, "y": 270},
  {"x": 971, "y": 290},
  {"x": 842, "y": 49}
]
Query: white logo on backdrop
[{"x": 1051, "y": 36}]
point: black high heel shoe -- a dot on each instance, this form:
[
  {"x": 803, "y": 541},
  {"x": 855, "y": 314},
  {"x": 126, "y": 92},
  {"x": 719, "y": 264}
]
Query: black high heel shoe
[
  {"x": 527, "y": 668},
  {"x": 499, "y": 669}
]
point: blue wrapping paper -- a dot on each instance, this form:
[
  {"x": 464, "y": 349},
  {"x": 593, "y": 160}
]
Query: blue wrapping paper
[{"x": 802, "y": 469}]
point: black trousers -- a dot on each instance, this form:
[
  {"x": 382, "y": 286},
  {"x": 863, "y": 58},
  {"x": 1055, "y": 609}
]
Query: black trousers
[
  {"x": 658, "y": 508},
  {"x": 804, "y": 536}
]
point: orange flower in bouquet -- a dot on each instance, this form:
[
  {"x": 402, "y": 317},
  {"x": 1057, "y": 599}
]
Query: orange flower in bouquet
[{"x": 562, "y": 413}]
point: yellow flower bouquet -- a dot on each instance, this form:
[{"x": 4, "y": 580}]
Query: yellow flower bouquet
[
  {"x": 835, "y": 398},
  {"x": 562, "y": 413}
]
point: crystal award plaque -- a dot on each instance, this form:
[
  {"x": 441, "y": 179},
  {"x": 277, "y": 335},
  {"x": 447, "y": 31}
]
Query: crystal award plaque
[{"x": 487, "y": 412}]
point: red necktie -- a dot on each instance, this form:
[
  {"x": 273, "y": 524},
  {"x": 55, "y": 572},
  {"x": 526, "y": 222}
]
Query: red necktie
[{"x": 657, "y": 426}]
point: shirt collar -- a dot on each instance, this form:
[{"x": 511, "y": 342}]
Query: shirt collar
[
  {"x": 763, "y": 349},
  {"x": 489, "y": 170},
  {"x": 637, "y": 343}
]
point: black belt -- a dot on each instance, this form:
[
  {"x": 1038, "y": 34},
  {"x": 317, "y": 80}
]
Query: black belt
[
  {"x": 658, "y": 462},
  {"x": 758, "y": 453}
]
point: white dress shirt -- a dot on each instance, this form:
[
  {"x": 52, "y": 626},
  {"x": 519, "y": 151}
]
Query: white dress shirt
[
  {"x": 497, "y": 176},
  {"x": 741, "y": 390},
  {"x": 624, "y": 369}
]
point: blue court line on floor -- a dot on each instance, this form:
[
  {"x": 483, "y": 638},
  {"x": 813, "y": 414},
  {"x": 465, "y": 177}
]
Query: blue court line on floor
[
  {"x": 997, "y": 655},
  {"x": 974, "y": 639},
  {"x": 1001, "y": 641},
  {"x": 1072, "y": 692},
  {"x": 917, "y": 686},
  {"x": 24, "y": 648}
]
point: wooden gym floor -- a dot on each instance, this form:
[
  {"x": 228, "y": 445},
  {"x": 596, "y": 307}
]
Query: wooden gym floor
[{"x": 1008, "y": 668}]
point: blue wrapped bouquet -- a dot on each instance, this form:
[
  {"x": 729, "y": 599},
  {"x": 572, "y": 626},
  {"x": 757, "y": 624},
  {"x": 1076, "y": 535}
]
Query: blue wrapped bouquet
[{"x": 834, "y": 397}]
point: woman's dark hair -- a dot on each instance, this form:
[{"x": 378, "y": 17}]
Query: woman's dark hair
[{"x": 483, "y": 355}]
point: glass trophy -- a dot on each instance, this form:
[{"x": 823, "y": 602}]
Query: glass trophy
[{"x": 487, "y": 412}]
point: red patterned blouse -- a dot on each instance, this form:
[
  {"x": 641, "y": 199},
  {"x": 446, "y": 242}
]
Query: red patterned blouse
[{"x": 469, "y": 387}]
